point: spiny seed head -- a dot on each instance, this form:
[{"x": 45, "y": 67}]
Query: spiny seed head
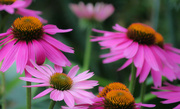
[
  {"x": 112, "y": 86},
  {"x": 7, "y": 2},
  {"x": 141, "y": 33},
  {"x": 159, "y": 40},
  {"x": 61, "y": 81},
  {"x": 119, "y": 99},
  {"x": 27, "y": 28}
]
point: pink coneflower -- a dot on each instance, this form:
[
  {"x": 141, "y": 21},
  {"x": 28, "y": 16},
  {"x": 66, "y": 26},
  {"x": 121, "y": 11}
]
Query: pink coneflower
[
  {"x": 29, "y": 39},
  {"x": 114, "y": 96},
  {"x": 19, "y": 7},
  {"x": 169, "y": 92},
  {"x": 137, "y": 44},
  {"x": 99, "y": 12},
  {"x": 62, "y": 86}
]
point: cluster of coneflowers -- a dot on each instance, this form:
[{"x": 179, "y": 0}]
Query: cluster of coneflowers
[{"x": 28, "y": 42}]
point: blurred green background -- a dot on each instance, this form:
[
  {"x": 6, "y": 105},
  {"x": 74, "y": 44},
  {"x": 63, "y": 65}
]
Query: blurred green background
[{"x": 162, "y": 15}]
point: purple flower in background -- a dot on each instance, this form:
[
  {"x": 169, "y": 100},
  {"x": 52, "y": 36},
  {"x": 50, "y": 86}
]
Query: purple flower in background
[{"x": 99, "y": 12}]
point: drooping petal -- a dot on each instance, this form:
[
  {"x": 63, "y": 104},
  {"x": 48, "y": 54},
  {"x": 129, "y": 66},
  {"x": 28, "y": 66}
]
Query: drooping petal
[
  {"x": 131, "y": 50},
  {"x": 139, "y": 57},
  {"x": 149, "y": 56},
  {"x": 157, "y": 77},
  {"x": 144, "y": 72},
  {"x": 39, "y": 52},
  {"x": 57, "y": 44},
  {"x": 22, "y": 57},
  {"x": 32, "y": 79},
  {"x": 127, "y": 63},
  {"x": 117, "y": 27}
]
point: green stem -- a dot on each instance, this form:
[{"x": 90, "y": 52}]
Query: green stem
[
  {"x": 52, "y": 104},
  {"x": 133, "y": 79},
  {"x": 87, "y": 53},
  {"x": 28, "y": 95},
  {"x": 3, "y": 89},
  {"x": 143, "y": 89}
]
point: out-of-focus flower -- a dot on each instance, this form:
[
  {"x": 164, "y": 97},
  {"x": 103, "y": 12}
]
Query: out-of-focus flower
[
  {"x": 113, "y": 96},
  {"x": 29, "y": 39},
  {"x": 19, "y": 7},
  {"x": 99, "y": 12},
  {"x": 67, "y": 87},
  {"x": 169, "y": 92},
  {"x": 138, "y": 44}
]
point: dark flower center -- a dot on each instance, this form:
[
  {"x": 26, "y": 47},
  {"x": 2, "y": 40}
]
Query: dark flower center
[
  {"x": 27, "y": 28},
  {"x": 119, "y": 99},
  {"x": 112, "y": 86},
  {"x": 61, "y": 81},
  {"x": 159, "y": 40},
  {"x": 141, "y": 33},
  {"x": 7, "y": 2}
]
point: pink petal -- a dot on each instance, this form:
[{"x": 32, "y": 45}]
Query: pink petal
[
  {"x": 157, "y": 78},
  {"x": 139, "y": 57},
  {"x": 138, "y": 71},
  {"x": 57, "y": 44},
  {"x": 39, "y": 85},
  {"x": 174, "y": 100},
  {"x": 54, "y": 95},
  {"x": 144, "y": 72},
  {"x": 10, "y": 57},
  {"x": 169, "y": 73},
  {"x": 145, "y": 105},
  {"x": 150, "y": 58},
  {"x": 169, "y": 47},
  {"x": 39, "y": 52},
  {"x": 85, "y": 84},
  {"x": 57, "y": 57},
  {"x": 5, "y": 49},
  {"x": 32, "y": 79},
  {"x": 22, "y": 57},
  {"x": 100, "y": 88},
  {"x": 177, "y": 107},
  {"x": 31, "y": 53},
  {"x": 60, "y": 95},
  {"x": 123, "y": 45},
  {"x": 68, "y": 98},
  {"x": 36, "y": 73},
  {"x": 73, "y": 71},
  {"x": 113, "y": 58},
  {"x": 131, "y": 50},
  {"x": 127, "y": 63},
  {"x": 117, "y": 27},
  {"x": 43, "y": 93},
  {"x": 53, "y": 29},
  {"x": 83, "y": 76},
  {"x": 58, "y": 68}
]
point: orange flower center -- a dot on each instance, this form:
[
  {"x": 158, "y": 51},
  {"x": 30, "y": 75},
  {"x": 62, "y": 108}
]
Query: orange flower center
[
  {"x": 119, "y": 99},
  {"x": 159, "y": 40},
  {"x": 27, "y": 28},
  {"x": 61, "y": 81},
  {"x": 141, "y": 33},
  {"x": 112, "y": 86},
  {"x": 7, "y": 2}
]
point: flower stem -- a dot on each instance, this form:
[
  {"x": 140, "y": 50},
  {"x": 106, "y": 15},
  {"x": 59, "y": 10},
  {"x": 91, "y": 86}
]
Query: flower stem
[
  {"x": 3, "y": 91},
  {"x": 133, "y": 79},
  {"x": 143, "y": 89},
  {"x": 28, "y": 95},
  {"x": 87, "y": 53},
  {"x": 52, "y": 104}
]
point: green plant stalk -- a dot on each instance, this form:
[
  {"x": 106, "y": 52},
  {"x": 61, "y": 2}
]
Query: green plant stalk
[
  {"x": 3, "y": 89},
  {"x": 133, "y": 79},
  {"x": 143, "y": 90},
  {"x": 28, "y": 95},
  {"x": 52, "y": 104},
  {"x": 87, "y": 53}
]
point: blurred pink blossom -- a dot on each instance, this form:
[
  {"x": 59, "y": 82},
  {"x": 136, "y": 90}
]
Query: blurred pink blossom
[{"x": 99, "y": 12}]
